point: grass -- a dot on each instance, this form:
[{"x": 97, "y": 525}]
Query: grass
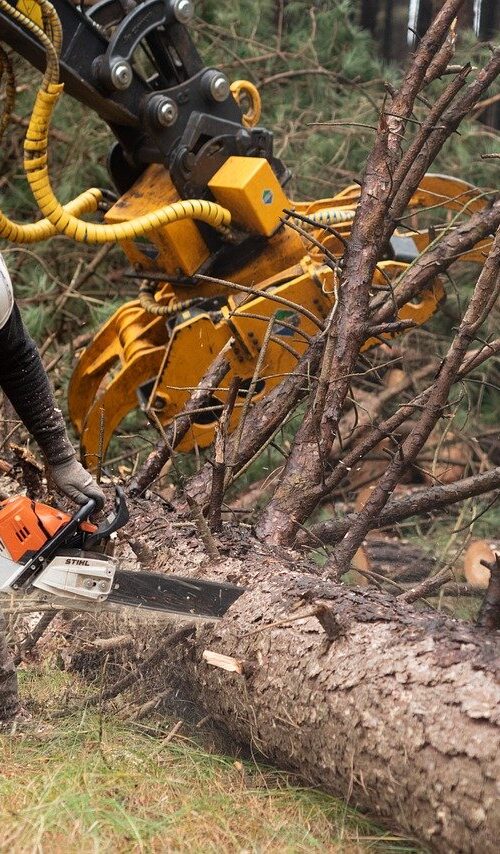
[{"x": 91, "y": 784}]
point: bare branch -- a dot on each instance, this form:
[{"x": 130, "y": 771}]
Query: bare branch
[
  {"x": 305, "y": 468},
  {"x": 178, "y": 429},
  {"x": 485, "y": 294},
  {"x": 419, "y": 502}
]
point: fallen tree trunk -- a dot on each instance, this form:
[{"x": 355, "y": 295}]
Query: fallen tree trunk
[
  {"x": 396, "y": 714},
  {"x": 395, "y": 710}
]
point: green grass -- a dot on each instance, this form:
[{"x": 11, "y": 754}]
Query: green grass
[{"x": 90, "y": 784}]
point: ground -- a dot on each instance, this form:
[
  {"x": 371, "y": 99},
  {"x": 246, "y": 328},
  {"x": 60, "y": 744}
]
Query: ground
[{"x": 89, "y": 783}]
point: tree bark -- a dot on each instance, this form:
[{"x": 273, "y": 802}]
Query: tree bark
[
  {"x": 397, "y": 714},
  {"x": 395, "y": 710},
  {"x": 9, "y": 703},
  {"x": 420, "y": 502},
  {"x": 410, "y": 731}
]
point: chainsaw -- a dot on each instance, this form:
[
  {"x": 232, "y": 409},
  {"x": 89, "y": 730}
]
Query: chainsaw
[{"x": 48, "y": 554}]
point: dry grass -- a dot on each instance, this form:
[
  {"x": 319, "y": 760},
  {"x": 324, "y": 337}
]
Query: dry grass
[{"x": 88, "y": 784}]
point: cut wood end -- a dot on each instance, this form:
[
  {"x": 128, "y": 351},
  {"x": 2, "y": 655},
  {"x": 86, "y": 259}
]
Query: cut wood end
[
  {"x": 361, "y": 562},
  {"x": 476, "y": 574},
  {"x": 401, "y": 490},
  {"x": 363, "y": 495},
  {"x": 453, "y": 457},
  {"x": 371, "y": 468},
  {"x": 224, "y": 662}
]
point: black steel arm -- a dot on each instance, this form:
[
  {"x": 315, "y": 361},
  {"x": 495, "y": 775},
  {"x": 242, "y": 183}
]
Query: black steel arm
[
  {"x": 82, "y": 43},
  {"x": 180, "y": 113}
]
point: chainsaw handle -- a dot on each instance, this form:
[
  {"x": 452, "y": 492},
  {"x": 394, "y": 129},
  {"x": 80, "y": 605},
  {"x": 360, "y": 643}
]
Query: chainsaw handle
[
  {"x": 60, "y": 539},
  {"x": 85, "y": 511},
  {"x": 113, "y": 522}
]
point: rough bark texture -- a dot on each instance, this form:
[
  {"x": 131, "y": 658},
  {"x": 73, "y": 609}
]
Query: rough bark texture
[
  {"x": 481, "y": 303},
  {"x": 8, "y": 679},
  {"x": 393, "y": 709},
  {"x": 398, "y": 714},
  {"x": 294, "y": 500}
]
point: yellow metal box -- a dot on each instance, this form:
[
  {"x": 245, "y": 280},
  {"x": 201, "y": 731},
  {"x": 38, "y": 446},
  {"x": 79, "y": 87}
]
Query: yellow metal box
[
  {"x": 179, "y": 246},
  {"x": 252, "y": 192}
]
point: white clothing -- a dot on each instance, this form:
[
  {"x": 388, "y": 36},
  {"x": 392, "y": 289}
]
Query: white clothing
[{"x": 6, "y": 294}]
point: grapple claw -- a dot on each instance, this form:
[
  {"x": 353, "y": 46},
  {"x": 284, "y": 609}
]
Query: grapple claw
[{"x": 136, "y": 352}]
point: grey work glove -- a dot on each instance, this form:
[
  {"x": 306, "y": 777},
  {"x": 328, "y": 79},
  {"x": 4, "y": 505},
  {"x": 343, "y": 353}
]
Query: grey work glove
[{"x": 76, "y": 482}]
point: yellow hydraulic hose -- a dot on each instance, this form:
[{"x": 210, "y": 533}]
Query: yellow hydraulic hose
[
  {"x": 35, "y": 164},
  {"x": 51, "y": 50},
  {"x": 331, "y": 216},
  {"x": 243, "y": 89},
  {"x": 36, "y": 231},
  {"x": 52, "y": 23},
  {"x": 65, "y": 219},
  {"x": 147, "y": 300}
]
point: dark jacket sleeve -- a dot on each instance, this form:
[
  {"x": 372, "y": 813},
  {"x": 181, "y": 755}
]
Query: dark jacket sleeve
[{"x": 24, "y": 381}]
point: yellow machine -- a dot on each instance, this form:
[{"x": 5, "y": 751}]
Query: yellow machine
[
  {"x": 221, "y": 251},
  {"x": 169, "y": 352}
]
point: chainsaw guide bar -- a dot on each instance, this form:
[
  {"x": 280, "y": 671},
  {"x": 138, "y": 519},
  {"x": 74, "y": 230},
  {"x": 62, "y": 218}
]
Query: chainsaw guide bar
[{"x": 172, "y": 594}]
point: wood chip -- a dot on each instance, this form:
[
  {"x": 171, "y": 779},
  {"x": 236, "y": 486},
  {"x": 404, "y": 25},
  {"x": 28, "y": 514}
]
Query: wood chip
[{"x": 224, "y": 662}]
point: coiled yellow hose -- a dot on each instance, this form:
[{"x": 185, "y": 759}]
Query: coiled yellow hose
[
  {"x": 147, "y": 300},
  {"x": 331, "y": 216},
  {"x": 65, "y": 219},
  {"x": 36, "y": 231}
]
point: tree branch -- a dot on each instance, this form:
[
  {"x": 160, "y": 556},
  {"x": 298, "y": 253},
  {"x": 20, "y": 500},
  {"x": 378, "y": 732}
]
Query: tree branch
[
  {"x": 306, "y": 465},
  {"x": 419, "y": 502},
  {"x": 484, "y": 296},
  {"x": 178, "y": 429}
]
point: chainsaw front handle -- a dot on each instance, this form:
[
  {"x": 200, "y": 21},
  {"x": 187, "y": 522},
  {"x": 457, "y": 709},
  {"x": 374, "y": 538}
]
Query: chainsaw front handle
[{"x": 113, "y": 522}]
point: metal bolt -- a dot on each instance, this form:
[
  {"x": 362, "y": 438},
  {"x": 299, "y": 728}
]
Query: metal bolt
[
  {"x": 219, "y": 87},
  {"x": 183, "y": 10},
  {"x": 103, "y": 585},
  {"x": 121, "y": 74},
  {"x": 88, "y": 584},
  {"x": 166, "y": 112}
]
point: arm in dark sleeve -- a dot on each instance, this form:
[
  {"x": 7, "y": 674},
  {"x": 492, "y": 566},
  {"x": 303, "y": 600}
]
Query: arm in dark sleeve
[{"x": 24, "y": 381}]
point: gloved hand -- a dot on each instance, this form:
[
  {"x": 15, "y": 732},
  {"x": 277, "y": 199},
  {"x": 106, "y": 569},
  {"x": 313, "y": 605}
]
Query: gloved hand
[{"x": 76, "y": 482}]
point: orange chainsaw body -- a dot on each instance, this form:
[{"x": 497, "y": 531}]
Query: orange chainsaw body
[{"x": 26, "y": 525}]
